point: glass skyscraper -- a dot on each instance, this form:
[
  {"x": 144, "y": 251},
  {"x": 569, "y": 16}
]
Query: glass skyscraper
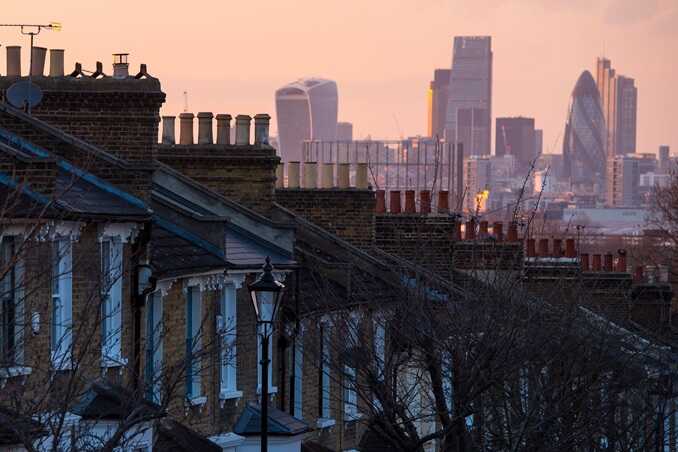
[
  {"x": 469, "y": 106},
  {"x": 584, "y": 148},
  {"x": 619, "y": 99},
  {"x": 305, "y": 110}
]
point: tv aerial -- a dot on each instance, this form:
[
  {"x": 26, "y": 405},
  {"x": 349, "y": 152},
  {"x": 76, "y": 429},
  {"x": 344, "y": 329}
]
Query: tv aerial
[{"x": 24, "y": 94}]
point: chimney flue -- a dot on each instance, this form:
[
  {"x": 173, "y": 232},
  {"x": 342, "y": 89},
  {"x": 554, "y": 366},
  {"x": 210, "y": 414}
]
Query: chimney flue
[
  {"x": 410, "y": 206},
  {"x": 343, "y": 172},
  {"x": 621, "y": 261},
  {"x": 186, "y": 128},
  {"x": 471, "y": 230},
  {"x": 293, "y": 175},
  {"x": 543, "y": 247},
  {"x": 310, "y": 175},
  {"x": 484, "y": 228},
  {"x": 361, "y": 176},
  {"x": 513, "y": 232},
  {"x": 38, "y": 61},
  {"x": 381, "y": 201},
  {"x": 168, "y": 124},
  {"x": 570, "y": 250},
  {"x": 638, "y": 276},
  {"x": 425, "y": 202},
  {"x": 205, "y": 127},
  {"x": 609, "y": 262},
  {"x": 327, "y": 175},
  {"x": 597, "y": 263},
  {"x": 557, "y": 248},
  {"x": 531, "y": 248},
  {"x": 223, "y": 129},
  {"x": 13, "y": 61},
  {"x": 56, "y": 62},
  {"x": 394, "y": 201},
  {"x": 498, "y": 231},
  {"x": 443, "y": 201},
  {"x": 261, "y": 125},
  {"x": 242, "y": 130},
  {"x": 280, "y": 175},
  {"x": 585, "y": 262},
  {"x": 120, "y": 65}
]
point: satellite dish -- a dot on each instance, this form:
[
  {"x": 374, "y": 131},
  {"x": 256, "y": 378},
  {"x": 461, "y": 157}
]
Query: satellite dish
[{"x": 24, "y": 93}]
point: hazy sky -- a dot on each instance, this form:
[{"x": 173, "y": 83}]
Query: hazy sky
[{"x": 231, "y": 55}]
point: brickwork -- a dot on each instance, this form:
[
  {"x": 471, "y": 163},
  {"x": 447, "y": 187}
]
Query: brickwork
[
  {"x": 347, "y": 213},
  {"x": 39, "y": 175},
  {"x": 244, "y": 174}
]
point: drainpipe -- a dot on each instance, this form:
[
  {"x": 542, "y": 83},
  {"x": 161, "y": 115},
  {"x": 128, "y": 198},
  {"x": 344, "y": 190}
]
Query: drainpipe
[{"x": 139, "y": 249}]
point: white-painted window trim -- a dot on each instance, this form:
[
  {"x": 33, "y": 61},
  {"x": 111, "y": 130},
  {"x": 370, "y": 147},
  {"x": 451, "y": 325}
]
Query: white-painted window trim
[
  {"x": 111, "y": 315},
  {"x": 227, "y": 330},
  {"x": 322, "y": 422},
  {"x": 62, "y": 303}
]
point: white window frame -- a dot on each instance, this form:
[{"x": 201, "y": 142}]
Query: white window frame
[
  {"x": 111, "y": 307},
  {"x": 154, "y": 346},
  {"x": 62, "y": 303},
  {"x": 193, "y": 313},
  {"x": 227, "y": 327}
]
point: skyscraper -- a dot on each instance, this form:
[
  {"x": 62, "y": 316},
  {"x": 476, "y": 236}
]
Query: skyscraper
[
  {"x": 437, "y": 102},
  {"x": 618, "y": 99},
  {"x": 469, "y": 105},
  {"x": 516, "y": 137},
  {"x": 623, "y": 178},
  {"x": 584, "y": 153},
  {"x": 306, "y": 110},
  {"x": 538, "y": 141},
  {"x": 344, "y": 131},
  {"x": 664, "y": 159}
]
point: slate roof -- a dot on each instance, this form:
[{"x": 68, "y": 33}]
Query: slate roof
[
  {"x": 279, "y": 422},
  {"x": 104, "y": 400},
  {"x": 171, "y": 436},
  {"x": 243, "y": 250}
]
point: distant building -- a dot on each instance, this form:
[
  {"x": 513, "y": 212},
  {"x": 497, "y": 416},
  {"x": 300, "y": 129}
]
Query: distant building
[
  {"x": 653, "y": 179},
  {"x": 623, "y": 179},
  {"x": 469, "y": 105},
  {"x": 437, "y": 102},
  {"x": 477, "y": 179},
  {"x": 539, "y": 141},
  {"x": 344, "y": 131},
  {"x": 306, "y": 110},
  {"x": 647, "y": 162},
  {"x": 584, "y": 153},
  {"x": 516, "y": 137},
  {"x": 664, "y": 159},
  {"x": 619, "y": 99}
]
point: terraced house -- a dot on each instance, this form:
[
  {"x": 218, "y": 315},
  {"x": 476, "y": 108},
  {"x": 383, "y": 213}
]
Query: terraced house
[{"x": 127, "y": 322}]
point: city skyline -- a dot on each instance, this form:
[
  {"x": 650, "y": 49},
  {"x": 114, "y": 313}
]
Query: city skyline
[{"x": 244, "y": 73}]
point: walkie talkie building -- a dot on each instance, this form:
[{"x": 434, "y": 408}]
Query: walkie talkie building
[{"x": 584, "y": 141}]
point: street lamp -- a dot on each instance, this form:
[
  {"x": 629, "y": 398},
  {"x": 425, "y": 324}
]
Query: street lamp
[
  {"x": 266, "y": 293},
  {"x": 32, "y": 30}
]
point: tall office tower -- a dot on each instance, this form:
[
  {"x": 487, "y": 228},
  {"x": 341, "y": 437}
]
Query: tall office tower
[
  {"x": 584, "y": 153},
  {"x": 538, "y": 141},
  {"x": 515, "y": 136},
  {"x": 664, "y": 159},
  {"x": 623, "y": 178},
  {"x": 478, "y": 179},
  {"x": 437, "y": 103},
  {"x": 306, "y": 110},
  {"x": 469, "y": 106},
  {"x": 344, "y": 131},
  {"x": 618, "y": 99}
]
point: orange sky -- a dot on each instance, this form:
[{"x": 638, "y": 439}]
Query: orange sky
[{"x": 231, "y": 55}]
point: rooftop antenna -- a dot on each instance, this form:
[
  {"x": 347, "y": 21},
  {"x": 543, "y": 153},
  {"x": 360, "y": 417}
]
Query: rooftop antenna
[
  {"x": 31, "y": 30},
  {"x": 185, "y": 101}
]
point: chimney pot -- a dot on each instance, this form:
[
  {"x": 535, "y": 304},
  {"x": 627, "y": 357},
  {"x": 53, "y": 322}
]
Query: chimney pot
[
  {"x": 621, "y": 261},
  {"x": 56, "y": 62},
  {"x": 120, "y": 65},
  {"x": 597, "y": 263},
  {"x": 443, "y": 201},
  {"x": 168, "y": 123},
  {"x": 498, "y": 231},
  {"x": 261, "y": 125},
  {"x": 38, "y": 63},
  {"x": 410, "y": 202},
  {"x": 279, "y": 175},
  {"x": 425, "y": 202},
  {"x": 310, "y": 175},
  {"x": 513, "y": 232},
  {"x": 394, "y": 201},
  {"x": 531, "y": 249},
  {"x": 186, "y": 128},
  {"x": 13, "y": 61},
  {"x": 557, "y": 248},
  {"x": 609, "y": 262},
  {"x": 327, "y": 175},
  {"x": 543, "y": 247},
  {"x": 585, "y": 262},
  {"x": 471, "y": 229},
  {"x": 242, "y": 130},
  {"x": 343, "y": 172},
  {"x": 381, "y": 201},
  {"x": 570, "y": 250},
  {"x": 361, "y": 176},
  {"x": 293, "y": 175},
  {"x": 205, "y": 127},
  {"x": 223, "y": 129},
  {"x": 484, "y": 228}
]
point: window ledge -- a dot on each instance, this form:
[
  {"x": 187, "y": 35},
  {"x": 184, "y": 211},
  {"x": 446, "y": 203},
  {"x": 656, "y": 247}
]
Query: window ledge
[
  {"x": 353, "y": 417},
  {"x": 226, "y": 395},
  {"x": 197, "y": 401},
  {"x": 113, "y": 362},
  {"x": 271, "y": 389},
  {"x": 15, "y": 371},
  {"x": 323, "y": 422}
]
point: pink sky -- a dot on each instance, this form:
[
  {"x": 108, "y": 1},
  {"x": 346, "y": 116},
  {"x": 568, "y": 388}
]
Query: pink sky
[{"x": 231, "y": 55}]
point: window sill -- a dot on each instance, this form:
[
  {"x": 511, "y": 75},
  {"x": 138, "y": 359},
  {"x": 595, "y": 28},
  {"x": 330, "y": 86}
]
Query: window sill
[
  {"x": 351, "y": 417},
  {"x": 322, "y": 422},
  {"x": 197, "y": 401},
  {"x": 15, "y": 371},
  {"x": 271, "y": 390},
  {"x": 113, "y": 362},
  {"x": 226, "y": 395}
]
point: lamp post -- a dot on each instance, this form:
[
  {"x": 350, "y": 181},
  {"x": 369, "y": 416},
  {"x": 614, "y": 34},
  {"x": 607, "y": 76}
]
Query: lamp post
[
  {"x": 32, "y": 30},
  {"x": 266, "y": 293}
]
